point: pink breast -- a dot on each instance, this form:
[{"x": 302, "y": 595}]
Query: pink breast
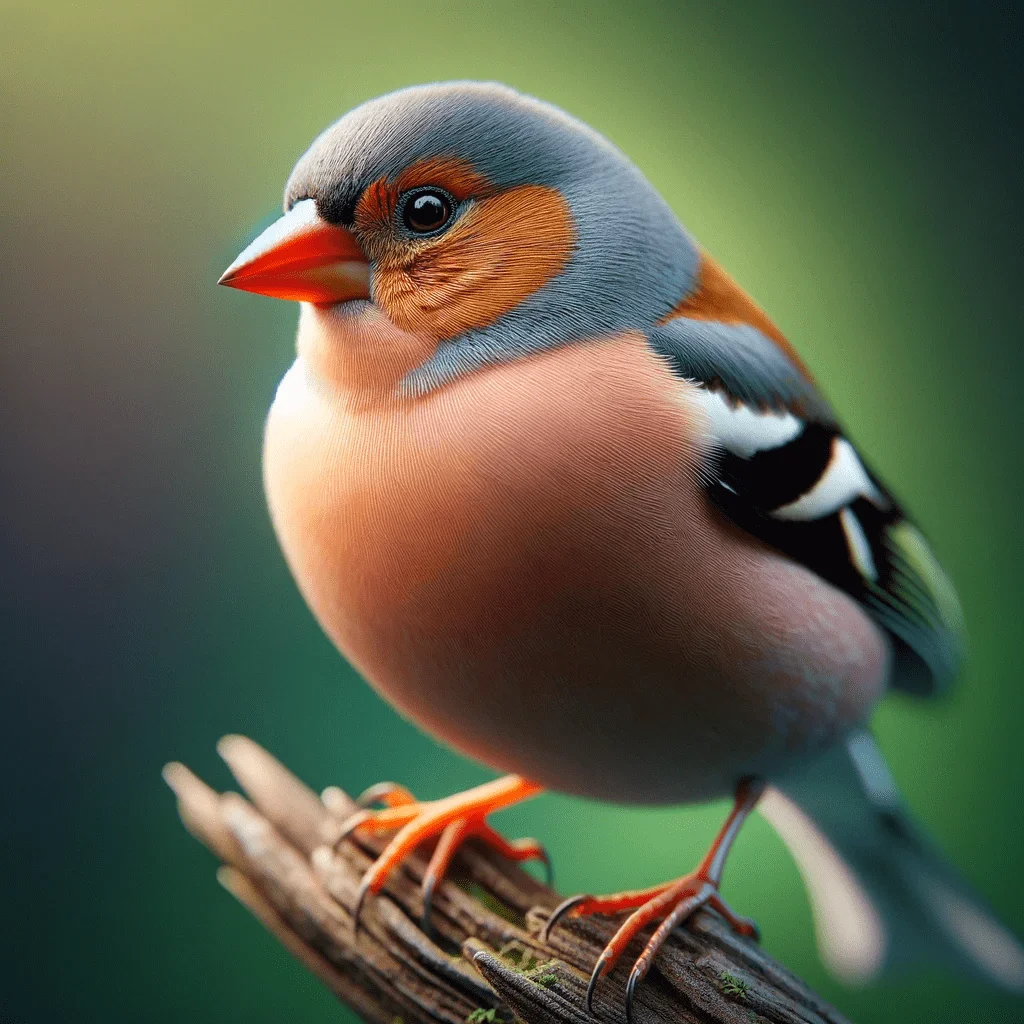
[{"x": 523, "y": 563}]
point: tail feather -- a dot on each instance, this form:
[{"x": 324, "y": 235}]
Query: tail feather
[{"x": 883, "y": 896}]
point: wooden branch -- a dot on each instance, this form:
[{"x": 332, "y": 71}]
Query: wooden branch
[{"x": 485, "y": 960}]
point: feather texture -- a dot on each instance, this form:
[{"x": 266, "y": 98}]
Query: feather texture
[{"x": 781, "y": 468}]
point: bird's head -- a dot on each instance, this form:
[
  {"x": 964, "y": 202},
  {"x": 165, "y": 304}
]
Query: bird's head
[{"x": 490, "y": 222}]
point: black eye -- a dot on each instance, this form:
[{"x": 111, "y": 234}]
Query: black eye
[{"x": 427, "y": 210}]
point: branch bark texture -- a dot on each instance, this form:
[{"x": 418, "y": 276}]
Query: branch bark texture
[{"x": 484, "y": 962}]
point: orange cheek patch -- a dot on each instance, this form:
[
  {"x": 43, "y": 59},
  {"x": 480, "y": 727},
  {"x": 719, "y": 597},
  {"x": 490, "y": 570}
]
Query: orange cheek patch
[
  {"x": 716, "y": 296},
  {"x": 502, "y": 250}
]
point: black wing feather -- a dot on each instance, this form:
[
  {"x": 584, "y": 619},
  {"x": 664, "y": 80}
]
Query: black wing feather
[{"x": 897, "y": 579}]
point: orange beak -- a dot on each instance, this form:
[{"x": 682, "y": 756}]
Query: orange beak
[{"x": 303, "y": 258}]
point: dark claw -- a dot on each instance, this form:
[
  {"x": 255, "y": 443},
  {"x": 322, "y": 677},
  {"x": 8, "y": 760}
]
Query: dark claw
[
  {"x": 599, "y": 970},
  {"x": 364, "y": 888},
  {"x": 592, "y": 987},
  {"x": 559, "y": 912},
  {"x": 635, "y": 977}
]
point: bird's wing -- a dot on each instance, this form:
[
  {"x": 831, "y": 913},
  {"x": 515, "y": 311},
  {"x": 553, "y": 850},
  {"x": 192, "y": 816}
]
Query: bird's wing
[{"x": 782, "y": 469}]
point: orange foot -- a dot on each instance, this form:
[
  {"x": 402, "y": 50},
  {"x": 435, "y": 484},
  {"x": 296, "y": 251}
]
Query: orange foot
[
  {"x": 452, "y": 820},
  {"x": 671, "y": 904}
]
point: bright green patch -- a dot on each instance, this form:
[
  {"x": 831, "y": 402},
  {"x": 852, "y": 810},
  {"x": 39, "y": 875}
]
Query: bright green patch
[
  {"x": 733, "y": 986},
  {"x": 545, "y": 979},
  {"x": 526, "y": 962}
]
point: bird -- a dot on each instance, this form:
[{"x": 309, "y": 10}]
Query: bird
[{"x": 567, "y": 498}]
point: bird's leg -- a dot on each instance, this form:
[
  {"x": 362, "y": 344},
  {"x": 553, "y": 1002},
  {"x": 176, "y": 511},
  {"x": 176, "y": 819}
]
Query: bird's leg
[
  {"x": 671, "y": 904},
  {"x": 451, "y": 820}
]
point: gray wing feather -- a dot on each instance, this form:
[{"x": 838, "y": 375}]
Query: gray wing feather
[{"x": 743, "y": 362}]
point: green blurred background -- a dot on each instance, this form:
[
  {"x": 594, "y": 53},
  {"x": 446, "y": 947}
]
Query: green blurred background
[{"x": 856, "y": 168}]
